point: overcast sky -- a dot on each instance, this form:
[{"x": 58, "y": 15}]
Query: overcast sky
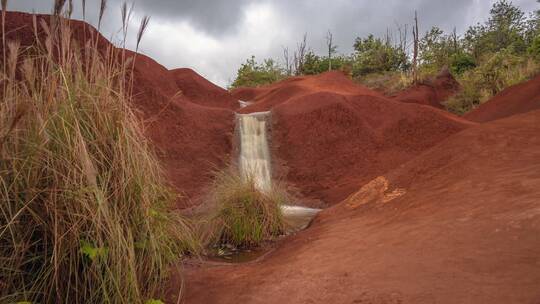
[{"x": 215, "y": 37}]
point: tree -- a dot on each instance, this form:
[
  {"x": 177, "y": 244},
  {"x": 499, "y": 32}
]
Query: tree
[
  {"x": 300, "y": 55},
  {"x": 438, "y": 50},
  {"x": 415, "y": 51},
  {"x": 505, "y": 29},
  {"x": 533, "y": 26},
  {"x": 287, "y": 61},
  {"x": 372, "y": 55},
  {"x": 331, "y": 48},
  {"x": 251, "y": 73},
  {"x": 534, "y": 48}
]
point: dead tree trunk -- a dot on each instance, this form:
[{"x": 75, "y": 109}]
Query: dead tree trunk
[
  {"x": 415, "y": 50},
  {"x": 329, "y": 40},
  {"x": 287, "y": 61},
  {"x": 300, "y": 56}
]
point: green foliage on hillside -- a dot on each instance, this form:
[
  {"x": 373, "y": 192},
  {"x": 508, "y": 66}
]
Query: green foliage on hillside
[
  {"x": 373, "y": 55},
  {"x": 252, "y": 73},
  {"x": 487, "y": 58},
  {"x": 315, "y": 64}
]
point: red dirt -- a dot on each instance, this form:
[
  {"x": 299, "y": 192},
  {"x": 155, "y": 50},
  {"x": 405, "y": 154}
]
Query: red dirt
[
  {"x": 431, "y": 92},
  {"x": 191, "y": 139},
  {"x": 517, "y": 99},
  {"x": 201, "y": 91},
  {"x": 247, "y": 94},
  {"x": 463, "y": 227},
  {"x": 267, "y": 97},
  {"x": 192, "y": 131},
  {"x": 330, "y": 135}
]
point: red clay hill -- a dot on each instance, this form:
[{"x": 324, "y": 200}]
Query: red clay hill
[
  {"x": 517, "y": 99},
  {"x": 330, "y": 135},
  {"x": 459, "y": 223},
  {"x": 201, "y": 91},
  {"x": 189, "y": 119}
]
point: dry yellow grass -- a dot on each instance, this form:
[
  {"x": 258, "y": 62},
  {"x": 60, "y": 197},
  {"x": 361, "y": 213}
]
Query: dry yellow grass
[{"x": 84, "y": 208}]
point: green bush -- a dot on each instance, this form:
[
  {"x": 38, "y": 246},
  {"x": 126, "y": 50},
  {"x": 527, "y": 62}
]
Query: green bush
[
  {"x": 315, "y": 64},
  {"x": 534, "y": 48},
  {"x": 496, "y": 72},
  {"x": 373, "y": 55},
  {"x": 461, "y": 62},
  {"x": 253, "y": 74}
]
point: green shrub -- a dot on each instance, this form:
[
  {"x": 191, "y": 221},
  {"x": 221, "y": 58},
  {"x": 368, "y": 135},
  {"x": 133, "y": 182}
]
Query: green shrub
[
  {"x": 497, "y": 72},
  {"x": 461, "y": 62},
  {"x": 534, "y": 48},
  {"x": 253, "y": 74}
]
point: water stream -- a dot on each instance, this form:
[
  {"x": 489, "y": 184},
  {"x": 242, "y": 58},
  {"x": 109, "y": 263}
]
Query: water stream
[{"x": 255, "y": 162}]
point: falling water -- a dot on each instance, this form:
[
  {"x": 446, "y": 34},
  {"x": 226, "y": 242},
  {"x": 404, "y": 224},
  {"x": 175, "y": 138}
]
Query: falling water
[
  {"x": 254, "y": 152},
  {"x": 255, "y": 162}
]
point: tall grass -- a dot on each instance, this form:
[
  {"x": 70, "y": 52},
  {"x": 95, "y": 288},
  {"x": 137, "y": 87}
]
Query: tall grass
[
  {"x": 388, "y": 83},
  {"x": 84, "y": 209},
  {"x": 243, "y": 215}
]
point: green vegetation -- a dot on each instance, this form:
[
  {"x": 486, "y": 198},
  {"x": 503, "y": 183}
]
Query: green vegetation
[
  {"x": 85, "y": 213},
  {"x": 315, "y": 64},
  {"x": 252, "y": 73},
  {"x": 487, "y": 58},
  {"x": 244, "y": 216},
  {"x": 373, "y": 55}
]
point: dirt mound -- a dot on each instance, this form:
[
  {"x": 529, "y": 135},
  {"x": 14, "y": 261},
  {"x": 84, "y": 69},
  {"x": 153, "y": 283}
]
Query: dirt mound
[
  {"x": 330, "y": 135},
  {"x": 431, "y": 92},
  {"x": 458, "y": 224},
  {"x": 517, "y": 99},
  {"x": 327, "y": 144},
  {"x": 192, "y": 131},
  {"x": 246, "y": 94},
  {"x": 267, "y": 97},
  {"x": 201, "y": 91}
]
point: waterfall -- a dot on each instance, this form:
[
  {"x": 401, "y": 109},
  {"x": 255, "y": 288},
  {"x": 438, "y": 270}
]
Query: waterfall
[
  {"x": 255, "y": 162},
  {"x": 254, "y": 152}
]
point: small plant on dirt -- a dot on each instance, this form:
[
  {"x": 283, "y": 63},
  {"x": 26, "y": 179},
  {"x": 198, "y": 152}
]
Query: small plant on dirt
[
  {"x": 244, "y": 216},
  {"x": 84, "y": 208}
]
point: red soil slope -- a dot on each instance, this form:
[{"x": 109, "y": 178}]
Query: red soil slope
[
  {"x": 246, "y": 94},
  {"x": 431, "y": 92},
  {"x": 463, "y": 227},
  {"x": 265, "y": 98},
  {"x": 192, "y": 131},
  {"x": 328, "y": 144},
  {"x": 191, "y": 140},
  {"x": 517, "y": 99},
  {"x": 330, "y": 135},
  {"x": 201, "y": 91}
]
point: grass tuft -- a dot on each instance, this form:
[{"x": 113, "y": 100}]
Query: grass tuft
[
  {"x": 84, "y": 208},
  {"x": 244, "y": 216}
]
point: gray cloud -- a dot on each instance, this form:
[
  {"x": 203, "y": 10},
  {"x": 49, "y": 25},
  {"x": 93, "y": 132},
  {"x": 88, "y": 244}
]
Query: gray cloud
[
  {"x": 215, "y": 37},
  {"x": 215, "y": 17}
]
